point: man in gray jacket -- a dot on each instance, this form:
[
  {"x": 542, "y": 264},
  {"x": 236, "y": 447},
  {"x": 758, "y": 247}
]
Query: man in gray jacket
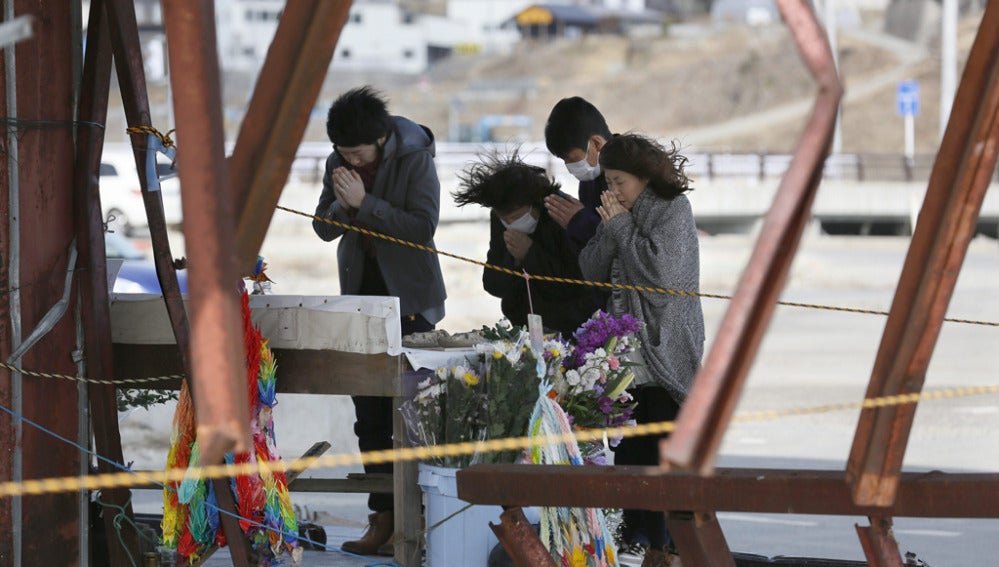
[{"x": 381, "y": 176}]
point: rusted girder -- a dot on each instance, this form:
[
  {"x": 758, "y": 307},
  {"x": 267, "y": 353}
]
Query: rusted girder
[
  {"x": 218, "y": 361},
  {"x": 520, "y": 540},
  {"x": 946, "y": 224},
  {"x": 708, "y": 408},
  {"x": 95, "y": 314},
  {"x": 132, "y": 83},
  {"x": 36, "y": 238},
  {"x": 879, "y": 543},
  {"x": 699, "y": 539},
  {"x": 275, "y": 122},
  {"x": 777, "y": 491}
]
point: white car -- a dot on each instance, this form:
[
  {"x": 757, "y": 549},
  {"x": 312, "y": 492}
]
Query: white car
[{"x": 121, "y": 198}]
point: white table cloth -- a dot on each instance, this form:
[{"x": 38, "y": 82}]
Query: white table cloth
[{"x": 347, "y": 323}]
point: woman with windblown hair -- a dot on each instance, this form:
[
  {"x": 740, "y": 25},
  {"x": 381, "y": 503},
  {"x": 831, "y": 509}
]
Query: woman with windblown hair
[
  {"x": 524, "y": 238},
  {"x": 647, "y": 237}
]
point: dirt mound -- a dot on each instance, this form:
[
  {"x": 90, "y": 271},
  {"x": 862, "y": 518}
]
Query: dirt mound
[{"x": 696, "y": 77}]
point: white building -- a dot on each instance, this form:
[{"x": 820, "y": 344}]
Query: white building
[
  {"x": 379, "y": 34},
  {"x": 482, "y": 21}
]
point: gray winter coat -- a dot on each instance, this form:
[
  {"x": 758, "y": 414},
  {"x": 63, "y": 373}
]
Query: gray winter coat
[
  {"x": 655, "y": 244},
  {"x": 404, "y": 203}
]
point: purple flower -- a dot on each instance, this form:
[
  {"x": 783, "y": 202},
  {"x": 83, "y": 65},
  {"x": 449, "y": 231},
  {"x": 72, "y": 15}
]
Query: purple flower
[
  {"x": 605, "y": 404},
  {"x": 595, "y": 332}
]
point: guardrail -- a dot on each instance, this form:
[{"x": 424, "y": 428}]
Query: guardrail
[{"x": 310, "y": 162}]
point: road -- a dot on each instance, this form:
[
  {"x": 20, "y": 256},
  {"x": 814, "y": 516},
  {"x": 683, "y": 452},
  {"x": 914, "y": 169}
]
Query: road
[{"x": 808, "y": 358}]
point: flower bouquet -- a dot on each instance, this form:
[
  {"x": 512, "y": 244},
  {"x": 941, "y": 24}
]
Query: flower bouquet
[
  {"x": 591, "y": 385},
  {"x": 486, "y": 396}
]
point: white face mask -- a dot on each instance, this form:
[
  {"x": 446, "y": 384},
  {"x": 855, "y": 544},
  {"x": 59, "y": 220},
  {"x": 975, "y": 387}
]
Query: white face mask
[
  {"x": 582, "y": 170},
  {"x": 525, "y": 224}
]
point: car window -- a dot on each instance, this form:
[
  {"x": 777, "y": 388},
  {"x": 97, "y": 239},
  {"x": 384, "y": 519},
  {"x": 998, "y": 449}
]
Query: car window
[
  {"x": 108, "y": 170},
  {"x": 117, "y": 246}
]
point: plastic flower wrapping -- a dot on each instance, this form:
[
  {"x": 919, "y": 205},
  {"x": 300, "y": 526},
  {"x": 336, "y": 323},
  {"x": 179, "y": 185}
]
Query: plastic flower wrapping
[
  {"x": 490, "y": 394},
  {"x": 591, "y": 384}
]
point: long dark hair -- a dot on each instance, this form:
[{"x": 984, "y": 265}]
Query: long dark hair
[
  {"x": 646, "y": 158},
  {"x": 503, "y": 183}
]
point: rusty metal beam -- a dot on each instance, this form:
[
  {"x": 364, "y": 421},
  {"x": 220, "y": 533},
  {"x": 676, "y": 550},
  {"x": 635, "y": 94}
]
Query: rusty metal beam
[
  {"x": 218, "y": 361},
  {"x": 95, "y": 313},
  {"x": 132, "y": 83},
  {"x": 218, "y": 366},
  {"x": 275, "y": 122},
  {"x": 37, "y": 172},
  {"x": 879, "y": 543},
  {"x": 699, "y": 539},
  {"x": 946, "y": 224},
  {"x": 708, "y": 408},
  {"x": 777, "y": 491},
  {"x": 520, "y": 541}
]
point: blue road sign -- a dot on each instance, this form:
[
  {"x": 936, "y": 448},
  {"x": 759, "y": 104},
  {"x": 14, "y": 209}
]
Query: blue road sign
[{"x": 907, "y": 98}]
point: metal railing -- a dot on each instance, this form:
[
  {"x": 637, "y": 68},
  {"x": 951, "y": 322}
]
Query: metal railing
[{"x": 311, "y": 159}]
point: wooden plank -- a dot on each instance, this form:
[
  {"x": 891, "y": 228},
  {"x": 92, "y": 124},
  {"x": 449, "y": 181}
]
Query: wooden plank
[
  {"x": 316, "y": 450},
  {"x": 300, "y": 371},
  {"x": 362, "y": 484},
  {"x": 407, "y": 500}
]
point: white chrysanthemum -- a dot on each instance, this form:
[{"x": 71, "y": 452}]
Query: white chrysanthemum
[{"x": 572, "y": 377}]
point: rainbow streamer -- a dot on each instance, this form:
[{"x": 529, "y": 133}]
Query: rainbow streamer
[
  {"x": 190, "y": 508},
  {"x": 576, "y": 537}
]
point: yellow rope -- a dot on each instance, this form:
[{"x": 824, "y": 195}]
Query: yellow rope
[
  {"x": 131, "y": 479},
  {"x": 126, "y": 381},
  {"x": 600, "y": 284},
  {"x": 164, "y": 138},
  {"x": 35, "y": 374}
]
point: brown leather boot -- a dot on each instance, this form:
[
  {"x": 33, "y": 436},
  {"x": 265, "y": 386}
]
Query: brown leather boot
[{"x": 380, "y": 527}]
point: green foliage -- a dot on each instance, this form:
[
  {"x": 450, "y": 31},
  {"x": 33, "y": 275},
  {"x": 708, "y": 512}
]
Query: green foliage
[{"x": 132, "y": 398}]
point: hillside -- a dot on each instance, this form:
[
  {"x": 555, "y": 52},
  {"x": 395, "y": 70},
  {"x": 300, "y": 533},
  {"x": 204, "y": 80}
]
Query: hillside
[
  {"x": 735, "y": 89},
  {"x": 683, "y": 84}
]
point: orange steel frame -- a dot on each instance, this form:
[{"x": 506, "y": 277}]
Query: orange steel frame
[
  {"x": 232, "y": 200},
  {"x": 872, "y": 483}
]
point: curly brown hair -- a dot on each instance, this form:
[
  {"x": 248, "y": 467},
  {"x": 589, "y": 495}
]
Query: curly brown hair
[{"x": 646, "y": 158}]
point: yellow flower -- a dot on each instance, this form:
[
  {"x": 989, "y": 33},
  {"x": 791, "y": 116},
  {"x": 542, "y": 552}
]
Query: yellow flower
[
  {"x": 497, "y": 354},
  {"x": 470, "y": 379}
]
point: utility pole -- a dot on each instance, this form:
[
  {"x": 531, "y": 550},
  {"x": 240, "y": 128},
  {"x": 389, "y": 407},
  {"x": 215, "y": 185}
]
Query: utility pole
[
  {"x": 948, "y": 60},
  {"x": 830, "y": 20}
]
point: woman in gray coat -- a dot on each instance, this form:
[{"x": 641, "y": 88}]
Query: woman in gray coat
[{"x": 647, "y": 237}]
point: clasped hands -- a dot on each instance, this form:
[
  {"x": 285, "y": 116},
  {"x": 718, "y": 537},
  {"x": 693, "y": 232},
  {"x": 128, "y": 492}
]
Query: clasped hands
[
  {"x": 348, "y": 187},
  {"x": 610, "y": 206},
  {"x": 517, "y": 243}
]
